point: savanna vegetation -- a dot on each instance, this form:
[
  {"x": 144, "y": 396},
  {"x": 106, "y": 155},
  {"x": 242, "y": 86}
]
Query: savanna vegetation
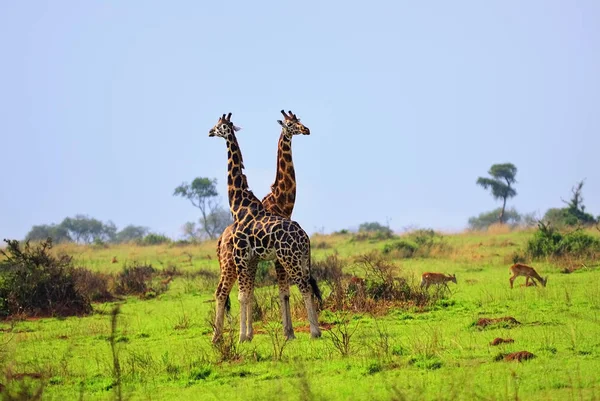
[{"x": 143, "y": 326}]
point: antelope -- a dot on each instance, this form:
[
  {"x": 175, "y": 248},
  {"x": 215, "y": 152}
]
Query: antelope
[
  {"x": 436, "y": 278},
  {"x": 519, "y": 269}
]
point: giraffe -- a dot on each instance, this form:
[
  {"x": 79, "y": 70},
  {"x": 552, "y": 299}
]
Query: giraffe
[
  {"x": 260, "y": 235},
  {"x": 279, "y": 201}
]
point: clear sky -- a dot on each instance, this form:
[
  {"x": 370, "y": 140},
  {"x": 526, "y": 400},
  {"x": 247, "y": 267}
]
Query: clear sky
[{"x": 105, "y": 106}]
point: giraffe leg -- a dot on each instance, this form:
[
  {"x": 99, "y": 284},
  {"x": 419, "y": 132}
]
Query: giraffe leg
[
  {"x": 221, "y": 295},
  {"x": 245, "y": 293},
  {"x": 284, "y": 301},
  {"x": 252, "y": 266},
  {"x": 246, "y": 272},
  {"x": 226, "y": 282},
  {"x": 302, "y": 280}
]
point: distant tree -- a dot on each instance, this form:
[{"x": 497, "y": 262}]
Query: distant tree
[
  {"x": 84, "y": 229},
  {"x": 574, "y": 213},
  {"x": 375, "y": 227},
  {"x": 44, "y": 231},
  {"x": 131, "y": 233},
  {"x": 190, "y": 231},
  {"x": 503, "y": 176},
  {"x": 154, "y": 239},
  {"x": 486, "y": 219},
  {"x": 216, "y": 222},
  {"x": 202, "y": 193}
]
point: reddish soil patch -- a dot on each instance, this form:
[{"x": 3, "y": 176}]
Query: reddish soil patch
[
  {"x": 306, "y": 329},
  {"x": 498, "y": 341},
  {"x": 484, "y": 321},
  {"x": 519, "y": 356},
  {"x": 21, "y": 376}
]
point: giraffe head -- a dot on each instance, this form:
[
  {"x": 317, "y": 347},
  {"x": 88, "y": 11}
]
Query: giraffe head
[
  {"x": 224, "y": 127},
  {"x": 292, "y": 125}
]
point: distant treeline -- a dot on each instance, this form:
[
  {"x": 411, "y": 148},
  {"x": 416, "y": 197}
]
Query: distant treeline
[{"x": 86, "y": 230}]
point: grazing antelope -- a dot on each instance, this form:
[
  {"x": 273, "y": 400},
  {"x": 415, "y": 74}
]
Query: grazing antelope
[
  {"x": 519, "y": 269},
  {"x": 436, "y": 278}
]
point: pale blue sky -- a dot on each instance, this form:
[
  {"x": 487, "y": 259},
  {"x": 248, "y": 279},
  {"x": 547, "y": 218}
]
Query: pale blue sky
[{"x": 105, "y": 106}]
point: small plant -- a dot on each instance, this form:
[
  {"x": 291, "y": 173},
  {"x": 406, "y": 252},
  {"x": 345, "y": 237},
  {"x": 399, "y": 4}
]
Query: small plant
[
  {"x": 200, "y": 372},
  {"x": 226, "y": 347},
  {"x": 183, "y": 321},
  {"x": 278, "y": 340},
  {"x": 381, "y": 345},
  {"x": 341, "y": 333},
  {"x": 428, "y": 362}
]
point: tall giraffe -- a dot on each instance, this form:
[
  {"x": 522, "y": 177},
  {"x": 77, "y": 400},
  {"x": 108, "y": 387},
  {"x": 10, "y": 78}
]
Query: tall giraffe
[
  {"x": 260, "y": 235},
  {"x": 279, "y": 201}
]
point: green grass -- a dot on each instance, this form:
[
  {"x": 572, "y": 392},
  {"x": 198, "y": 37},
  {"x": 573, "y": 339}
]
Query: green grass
[{"x": 165, "y": 351}]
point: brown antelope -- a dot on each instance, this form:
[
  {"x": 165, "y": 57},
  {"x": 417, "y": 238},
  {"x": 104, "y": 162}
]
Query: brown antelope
[
  {"x": 519, "y": 269},
  {"x": 428, "y": 279}
]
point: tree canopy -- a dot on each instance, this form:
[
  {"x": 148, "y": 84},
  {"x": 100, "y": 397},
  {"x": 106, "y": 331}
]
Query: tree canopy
[
  {"x": 500, "y": 184},
  {"x": 202, "y": 193}
]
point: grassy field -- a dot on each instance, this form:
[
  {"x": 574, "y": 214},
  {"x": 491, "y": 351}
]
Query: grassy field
[{"x": 164, "y": 350}]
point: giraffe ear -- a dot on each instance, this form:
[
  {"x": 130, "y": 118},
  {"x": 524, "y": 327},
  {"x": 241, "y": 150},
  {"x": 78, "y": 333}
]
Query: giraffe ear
[
  {"x": 236, "y": 129},
  {"x": 280, "y": 122}
]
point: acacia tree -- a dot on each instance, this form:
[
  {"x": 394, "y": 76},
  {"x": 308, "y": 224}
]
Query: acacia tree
[
  {"x": 202, "y": 193},
  {"x": 503, "y": 176}
]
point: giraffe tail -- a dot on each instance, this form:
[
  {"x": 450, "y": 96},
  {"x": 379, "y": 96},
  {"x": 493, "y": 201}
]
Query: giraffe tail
[
  {"x": 316, "y": 290},
  {"x": 228, "y": 305}
]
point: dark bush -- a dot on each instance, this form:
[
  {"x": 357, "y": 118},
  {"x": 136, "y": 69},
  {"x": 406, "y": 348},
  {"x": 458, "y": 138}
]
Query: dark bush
[
  {"x": 135, "y": 279},
  {"x": 94, "y": 285},
  {"x": 380, "y": 288},
  {"x": 34, "y": 282},
  {"x": 330, "y": 271}
]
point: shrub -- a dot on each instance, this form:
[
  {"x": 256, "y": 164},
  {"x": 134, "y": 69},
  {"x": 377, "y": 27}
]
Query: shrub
[
  {"x": 401, "y": 248},
  {"x": 34, "y": 282},
  {"x": 135, "y": 279},
  {"x": 549, "y": 242},
  {"x": 154, "y": 239},
  {"x": 94, "y": 285},
  {"x": 423, "y": 242},
  {"x": 330, "y": 271},
  {"x": 377, "y": 291}
]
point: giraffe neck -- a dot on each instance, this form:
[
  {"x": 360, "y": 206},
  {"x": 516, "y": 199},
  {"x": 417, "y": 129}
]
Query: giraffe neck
[
  {"x": 242, "y": 202},
  {"x": 283, "y": 191}
]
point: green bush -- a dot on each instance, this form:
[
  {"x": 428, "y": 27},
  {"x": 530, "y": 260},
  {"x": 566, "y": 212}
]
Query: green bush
[
  {"x": 549, "y": 242},
  {"x": 422, "y": 242},
  {"x": 404, "y": 248},
  {"x": 35, "y": 282}
]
